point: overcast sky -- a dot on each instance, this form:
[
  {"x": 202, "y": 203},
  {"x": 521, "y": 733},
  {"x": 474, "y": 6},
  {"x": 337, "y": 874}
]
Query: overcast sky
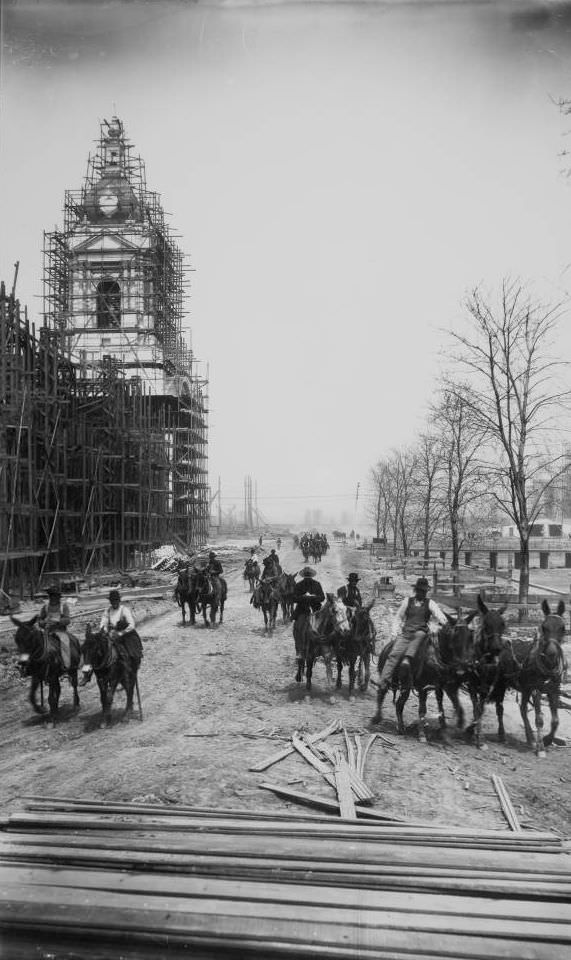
[{"x": 340, "y": 176}]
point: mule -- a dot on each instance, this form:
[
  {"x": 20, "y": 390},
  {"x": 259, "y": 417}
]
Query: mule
[
  {"x": 113, "y": 666},
  {"x": 266, "y": 597},
  {"x": 357, "y": 649},
  {"x": 440, "y": 665},
  {"x": 492, "y": 669},
  {"x": 533, "y": 668},
  {"x": 311, "y": 645},
  {"x": 252, "y": 574},
  {"x": 186, "y": 595},
  {"x": 40, "y": 658},
  {"x": 286, "y": 587},
  {"x": 540, "y": 674},
  {"x": 211, "y": 592}
]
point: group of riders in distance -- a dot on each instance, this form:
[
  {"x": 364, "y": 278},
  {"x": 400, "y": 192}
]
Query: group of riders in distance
[
  {"x": 312, "y": 545},
  {"x": 428, "y": 649}
]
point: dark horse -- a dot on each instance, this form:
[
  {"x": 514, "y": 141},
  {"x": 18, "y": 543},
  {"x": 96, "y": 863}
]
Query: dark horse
[
  {"x": 186, "y": 595},
  {"x": 41, "y": 659},
  {"x": 533, "y": 668},
  {"x": 266, "y": 597},
  {"x": 357, "y": 648},
  {"x": 311, "y": 644},
  {"x": 541, "y": 673},
  {"x": 114, "y": 663},
  {"x": 252, "y": 573},
  {"x": 211, "y": 592},
  {"x": 491, "y": 671},
  {"x": 439, "y": 665},
  {"x": 286, "y": 587}
]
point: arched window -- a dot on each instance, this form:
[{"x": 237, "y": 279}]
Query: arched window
[{"x": 108, "y": 304}]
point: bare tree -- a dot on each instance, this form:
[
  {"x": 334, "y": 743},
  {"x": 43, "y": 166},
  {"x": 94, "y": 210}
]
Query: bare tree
[
  {"x": 403, "y": 513},
  {"x": 393, "y": 506},
  {"x": 513, "y": 396},
  {"x": 428, "y": 470},
  {"x": 460, "y": 442},
  {"x": 378, "y": 508}
]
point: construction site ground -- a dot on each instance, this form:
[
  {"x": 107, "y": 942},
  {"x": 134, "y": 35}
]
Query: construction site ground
[{"x": 217, "y": 701}]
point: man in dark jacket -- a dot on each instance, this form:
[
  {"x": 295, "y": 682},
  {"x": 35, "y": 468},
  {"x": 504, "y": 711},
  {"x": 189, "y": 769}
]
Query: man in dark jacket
[
  {"x": 308, "y": 594},
  {"x": 413, "y": 616},
  {"x": 214, "y": 567}
]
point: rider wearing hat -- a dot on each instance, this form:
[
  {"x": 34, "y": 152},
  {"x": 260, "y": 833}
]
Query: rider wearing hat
[
  {"x": 271, "y": 565},
  {"x": 119, "y": 623},
  {"x": 413, "y": 616},
  {"x": 213, "y": 567},
  {"x": 55, "y": 618},
  {"x": 308, "y": 593},
  {"x": 353, "y": 595}
]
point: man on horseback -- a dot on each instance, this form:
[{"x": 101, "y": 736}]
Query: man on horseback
[
  {"x": 272, "y": 568},
  {"x": 351, "y": 595},
  {"x": 54, "y": 619},
  {"x": 213, "y": 567},
  {"x": 414, "y": 615},
  {"x": 119, "y": 623},
  {"x": 308, "y": 594}
]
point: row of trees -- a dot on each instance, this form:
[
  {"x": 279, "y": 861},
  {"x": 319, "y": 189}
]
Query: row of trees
[{"x": 493, "y": 446}]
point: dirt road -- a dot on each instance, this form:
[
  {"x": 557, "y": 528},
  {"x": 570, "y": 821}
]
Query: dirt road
[{"x": 216, "y": 701}]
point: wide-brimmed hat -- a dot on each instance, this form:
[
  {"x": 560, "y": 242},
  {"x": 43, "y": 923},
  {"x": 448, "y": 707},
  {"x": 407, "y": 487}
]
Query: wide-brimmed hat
[
  {"x": 114, "y": 595},
  {"x": 307, "y": 572},
  {"x": 353, "y": 576},
  {"x": 53, "y": 590},
  {"x": 422, "y": 584}
]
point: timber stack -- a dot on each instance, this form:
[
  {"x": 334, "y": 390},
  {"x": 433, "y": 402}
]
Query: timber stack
[{"x": 87, "y": 879}]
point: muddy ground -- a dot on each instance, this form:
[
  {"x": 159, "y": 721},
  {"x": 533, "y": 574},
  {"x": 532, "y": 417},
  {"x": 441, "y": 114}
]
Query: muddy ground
[{"x": 216, "y": 701}]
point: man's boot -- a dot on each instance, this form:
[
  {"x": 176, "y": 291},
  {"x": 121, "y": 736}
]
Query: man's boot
[{"x": 381, "y": 694}]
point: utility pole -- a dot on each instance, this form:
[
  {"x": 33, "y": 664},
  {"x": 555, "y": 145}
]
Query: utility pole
[
  {"x": 219, "y": 505},
  {"x": 356, "y": 508}
]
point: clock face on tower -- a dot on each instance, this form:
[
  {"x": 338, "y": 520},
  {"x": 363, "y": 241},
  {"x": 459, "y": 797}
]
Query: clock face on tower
[{"x": 108, "y": 204}]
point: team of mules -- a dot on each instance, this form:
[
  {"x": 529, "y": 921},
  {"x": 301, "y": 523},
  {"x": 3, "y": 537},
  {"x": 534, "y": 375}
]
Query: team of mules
[
  {"x": 271, "y": 593},
  {"x": 332, "y": 635},
  {"x": 201, "y": 593},
  {"x": 486, "y": 664}
]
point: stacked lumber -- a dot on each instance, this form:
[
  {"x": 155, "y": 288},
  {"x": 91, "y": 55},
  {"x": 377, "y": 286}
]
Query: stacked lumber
[{"x": 101, "y": 880}]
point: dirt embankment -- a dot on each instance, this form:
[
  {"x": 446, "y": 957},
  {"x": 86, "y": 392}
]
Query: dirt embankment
[{"x": 216, "y": 701}]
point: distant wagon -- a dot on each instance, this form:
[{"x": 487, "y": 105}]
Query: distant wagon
[{"x": 384, "y": 585}]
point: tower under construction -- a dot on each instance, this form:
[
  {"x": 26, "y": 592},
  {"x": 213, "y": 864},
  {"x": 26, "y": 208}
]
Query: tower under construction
[{"x": 104, "y": 420}]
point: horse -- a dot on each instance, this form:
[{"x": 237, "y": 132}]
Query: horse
[
  {"x": 185, "y": 594},
  {"x": 211, "y": 592},
  {"x": 252, "y": 573},
  {"x": 491, "y": 671},
  {"x": 533, "y": 668},
  {"x": 333, "y": 624},
  {"x": 311, "y": 644},
  {"x": 286, "y": 587},
  {"x": 113, "y": 666},
  {"x": 540, "y": 673},
  {"x": 440, "y": 665},
  {"x": 266, "y": 597},
  {"x": 358, "y": 648},
  {"x": 41, "y": 659}
]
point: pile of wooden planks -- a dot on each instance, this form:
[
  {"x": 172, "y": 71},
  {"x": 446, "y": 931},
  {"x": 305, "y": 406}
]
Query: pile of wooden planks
[
  {"x": 344, "y": 773},
  {"x": 90, "y": 880}
]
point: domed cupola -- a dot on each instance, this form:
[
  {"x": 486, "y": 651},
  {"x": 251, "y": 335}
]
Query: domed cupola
[{"x": 111, "y": 198}]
